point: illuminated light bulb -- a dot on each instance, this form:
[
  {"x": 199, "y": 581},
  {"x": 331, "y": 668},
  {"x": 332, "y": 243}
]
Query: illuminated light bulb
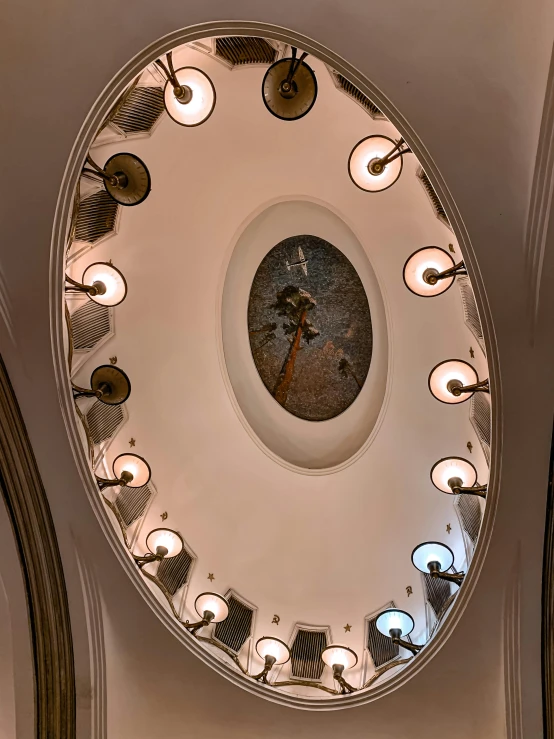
[
  {"x": 453, "y": 472},
  {"x": 395, "y": 620},
  {"x": 335, "y": 654},
  {"x": 364, "y": 158},
  {"x": 269, "y": 646},
  {"x": 212, "y": 603},
  {"x": 423, "y": 266},
  {"x": 163, "y": 540},
  {"x": 131, "y": 464},
  {"x": 198, "y": 97},
  {"x": 430, "y": 552},
  {"x": 110, "y": 283},
  {"x": 449, "y": 375}
]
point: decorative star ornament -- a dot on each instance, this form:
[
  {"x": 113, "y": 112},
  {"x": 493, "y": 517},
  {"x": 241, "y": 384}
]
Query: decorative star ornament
[
  {"x": 211, "y": 577},
  {"x": 132, "y": 441},
  {"x": 451, "y": 247},
  {"x": 348, "y": 627},
  {"x": 448, "y": 528},
  {"x": 471, "y": 352}
]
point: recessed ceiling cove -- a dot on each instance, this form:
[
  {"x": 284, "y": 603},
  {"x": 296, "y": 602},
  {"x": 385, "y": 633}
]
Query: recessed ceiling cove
[
  {"x": 336, "y": 372},
  {"x": 310, "y": 328},
  {"x": 268, "y": 330}
]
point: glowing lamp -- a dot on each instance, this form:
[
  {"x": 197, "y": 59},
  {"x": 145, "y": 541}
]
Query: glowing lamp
[
  {"x": 431, "y": 271},
  {"x": 397, "y": 624},
  {"x": 162, "y": 544},
  {"x": 375, "y": 163},
  {"x": 435, "y": 559},
  {"x": 289, "y": 88},
  {"x": 189, "y": 94},
  {"x": 455, "y": 476},
  {"x": 274, "y": 652},
  {"x": 455, "y": 381},
  {"x": 212, "y": 607},
  {"x": 340, "y": 658}
]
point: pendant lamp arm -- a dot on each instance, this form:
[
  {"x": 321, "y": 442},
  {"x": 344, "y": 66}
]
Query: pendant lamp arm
[
  {"x": 479, "y": 490},
  {"x": 395, "y": 152},
  {"x": 295, "y": 64},
  {"x": 168, "y": 71},
  {"x": 477, "y": 387}
]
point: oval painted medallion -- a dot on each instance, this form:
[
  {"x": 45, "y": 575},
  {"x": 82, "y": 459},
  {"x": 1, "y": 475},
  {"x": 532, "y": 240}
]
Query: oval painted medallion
[{"x": 309, "y": 327}]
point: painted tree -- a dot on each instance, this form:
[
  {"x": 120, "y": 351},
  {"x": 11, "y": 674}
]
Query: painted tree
[
  {"x": 293, "y": 304},
  {"x": 346, "y": 369}
]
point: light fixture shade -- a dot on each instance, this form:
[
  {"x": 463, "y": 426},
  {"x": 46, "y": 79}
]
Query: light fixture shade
[
  {"x": 214, "y": 603},
  {"x": 335, "y": 654},
  {"x": 201, "y": 104},
  {"x": 118, "y": 384},
  {"x": 137, "y": 466},
  {"x": 452, "y": 370},
  {"x": 136, "y": 179},
  {"x": 273, "y": 647},
  {"x": 304, "y": 86},
  {"x": 393, "y": 618},
  {"x": 428, "y": 260},
  {"x": 432, "y": 551},
  {"x": 367, "y": 150},
  {"x": 171, "y": 540},
  {"x": 111, "y": 278},
  {"x": 453, "y": 468}
]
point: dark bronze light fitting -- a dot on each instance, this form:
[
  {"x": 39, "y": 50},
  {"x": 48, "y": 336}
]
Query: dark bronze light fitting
[
  {"x": 108, "y": 383},
  {"x": 289, "y": 87},
  {"x": 396, "y": 623},
  {"x": 435, "y": 559},
  {"x": 125, "y": 177}
]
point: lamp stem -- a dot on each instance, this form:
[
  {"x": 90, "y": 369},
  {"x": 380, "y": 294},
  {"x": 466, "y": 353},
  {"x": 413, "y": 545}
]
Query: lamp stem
[
  {"x": 395, "y": 152},
  {"x": 269, "y": 662},
  {"x": 482, "y": 387},
  {"x": 433, "y": 277},
  {"x": 479, "y": 490},
  {"x": 435, "y": 571},
  {"x": 396, "y": 636}
]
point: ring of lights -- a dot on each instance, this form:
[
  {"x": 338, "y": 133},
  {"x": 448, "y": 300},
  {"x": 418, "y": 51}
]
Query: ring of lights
[{"x": 59, "y": 242}]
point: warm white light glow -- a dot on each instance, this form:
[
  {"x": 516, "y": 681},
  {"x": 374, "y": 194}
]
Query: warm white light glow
[
  {"x": 134, "y": 464},
  {"x": 274, "y": 648},
  {"x": 164, "y": 538},
  {"x": 392, "y": 618},
  {"x": 116, "y": 288},
  {"x": 337, "y": 655},
  {"x": 432, "y": 551},
  {"x": 214, "y": 603},
  {"x": 202, "y": 102},
  {"x": 453, "y": 369},
  {"x": 365, "y": 151},
  {"x": 453, "y": 467},
  {"x": 430, "y": 258}
]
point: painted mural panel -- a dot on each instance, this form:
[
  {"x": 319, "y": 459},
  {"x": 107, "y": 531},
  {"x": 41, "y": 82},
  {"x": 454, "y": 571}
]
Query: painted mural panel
[{"x": 309, "y": 325}]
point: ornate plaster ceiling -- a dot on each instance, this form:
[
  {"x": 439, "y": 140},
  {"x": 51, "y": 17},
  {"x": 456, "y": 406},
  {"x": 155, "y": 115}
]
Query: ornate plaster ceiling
[{"x": 312, "y": 523}]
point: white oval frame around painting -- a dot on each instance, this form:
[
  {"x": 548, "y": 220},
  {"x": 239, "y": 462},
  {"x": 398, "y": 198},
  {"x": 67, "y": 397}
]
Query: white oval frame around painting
[{"x": 329, "y": 444}]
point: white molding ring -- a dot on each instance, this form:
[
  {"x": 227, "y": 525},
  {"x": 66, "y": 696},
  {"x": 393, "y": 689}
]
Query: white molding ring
[{"x": 86, "y": 135}]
